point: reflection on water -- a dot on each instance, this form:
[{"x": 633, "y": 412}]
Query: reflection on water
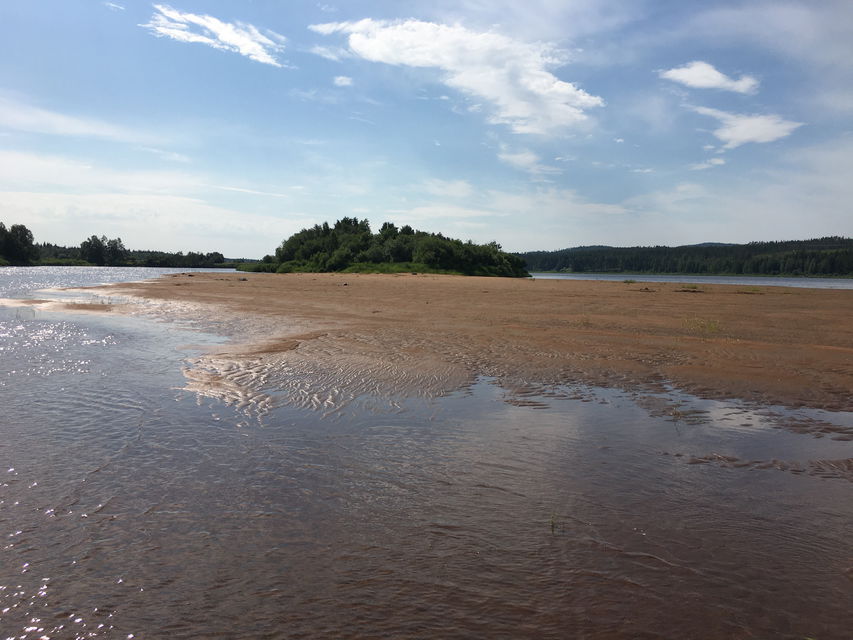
[{"x": 131, "y": 506}]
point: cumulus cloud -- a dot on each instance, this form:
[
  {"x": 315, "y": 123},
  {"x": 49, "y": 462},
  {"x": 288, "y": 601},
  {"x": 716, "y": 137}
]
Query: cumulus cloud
[
  {"x": 513, "y": 76},
  {"x": 239, "y": 37},
  {"x": 342, "y": 81},
  {"x": 701, "y": 75},
  {"x": 739, "y": 129}
]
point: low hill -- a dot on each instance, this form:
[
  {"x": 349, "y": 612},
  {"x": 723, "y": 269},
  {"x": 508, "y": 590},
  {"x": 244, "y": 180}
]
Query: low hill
[{"x": 830, "y": 256}]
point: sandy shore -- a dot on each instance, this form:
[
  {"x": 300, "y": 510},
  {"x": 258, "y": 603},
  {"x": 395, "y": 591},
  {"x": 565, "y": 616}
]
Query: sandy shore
[{"x": 427, "y": 333}]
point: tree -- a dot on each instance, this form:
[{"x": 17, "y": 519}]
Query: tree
[
  {"x": 115, "y": 253},
  {"x": 16, "y": 244},
  {"x": 94, "y": 250}
]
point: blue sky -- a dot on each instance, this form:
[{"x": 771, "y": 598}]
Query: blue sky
[{"x": 541, "y": 124}]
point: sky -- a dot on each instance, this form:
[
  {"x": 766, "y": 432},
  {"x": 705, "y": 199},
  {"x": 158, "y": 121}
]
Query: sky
[{"x": 230, "y": 125}]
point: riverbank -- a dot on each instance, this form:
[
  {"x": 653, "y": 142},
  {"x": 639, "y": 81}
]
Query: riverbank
[{"x": 772, "y": 345}]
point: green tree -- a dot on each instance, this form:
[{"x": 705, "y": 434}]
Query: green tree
[
  {"x": 94, "y": 250},
  {"x": 16, "y": 244},
  {"x": 115, "y": 252}
]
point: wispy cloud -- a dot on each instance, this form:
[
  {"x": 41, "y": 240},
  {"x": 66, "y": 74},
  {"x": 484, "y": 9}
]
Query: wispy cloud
[
  {"x": 20, "y": 169},
  {"x": 336, "y": 54},
  {"x": 528, "y": 161},
  {"x": 701, "y": 75},
  {"x": 255, "y": 192},
  {"x": 22, "y": 116},
  {"x": 512, "y": 75},
  {"x": 238, "y": 37},
  {"x": 169, "y": 156},
  {"x": 448, "y": 188},
  {"x": 739, "y": 129},
  {"x": 713, "y": 162},
  {"x": 342, "y": 81},
  {"x": 145, "y": 221},
  {"x": 113, "y": 6}
]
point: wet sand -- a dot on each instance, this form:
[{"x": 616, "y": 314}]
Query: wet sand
[{"x": 772, "y": 345}]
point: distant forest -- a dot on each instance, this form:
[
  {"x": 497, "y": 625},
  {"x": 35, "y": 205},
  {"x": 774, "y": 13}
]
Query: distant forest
[
  {"x": 832, "y": 256},
  {"x": 17, "y": 247},
  {"x": 349, "y": 245}
]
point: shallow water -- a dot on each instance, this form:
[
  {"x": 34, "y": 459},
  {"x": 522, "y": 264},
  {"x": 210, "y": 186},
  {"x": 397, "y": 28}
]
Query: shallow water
[{"x": 129, "y": 505}]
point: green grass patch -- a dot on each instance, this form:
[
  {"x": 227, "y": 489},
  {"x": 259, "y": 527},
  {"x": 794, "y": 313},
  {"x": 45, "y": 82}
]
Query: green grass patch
[
  {"x": 395, "y": 267},
  {"x": 702, "y": 326}
]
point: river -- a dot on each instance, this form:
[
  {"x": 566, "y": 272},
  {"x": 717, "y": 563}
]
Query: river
[
  {"x": 131, "y": 507},
  {"x": 743, "y": 281}
]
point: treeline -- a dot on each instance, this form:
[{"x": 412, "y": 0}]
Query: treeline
[
  {"x": 17, "y": 247},
  {"x": 349, "y": 245},
  {"x": 831, "y": 256}
]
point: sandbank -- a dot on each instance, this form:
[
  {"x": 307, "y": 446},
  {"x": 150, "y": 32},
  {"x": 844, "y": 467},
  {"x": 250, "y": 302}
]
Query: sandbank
[{"x": 432, "y": 333}]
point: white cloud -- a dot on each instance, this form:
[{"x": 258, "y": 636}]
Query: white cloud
[
  {"x": 701, "y": 75},
  {"x": 255, "y": 192},
  {"x": 169, "y": 156},
  {"x": 528, "y": 161},
  {"x": 802, "y": 198},
  {"x": 144, "y": 221},
  {"x": 63, "y": 200},
  {"x": 448, "y": 188},
  {"x": 713, "y": 162},
  {"x": 113, "y": 6},
  {"x": 740, "y": 129},
  {"x": 519, "y": 220},
  {"x": 818, "y": 32},
  {"x": 238, "y": 37},
  {"x": 342, "y": 81},
  {"x": 540, "y": 19},
  {"x": 512, "y": 75},
  {"x": 336, "y": 54},
  {"x": 38, "y": 171},
  {"x": 812, "y": 35},
  {"x": 21, "y": 116},
  {"x": 435, "y": 211}
]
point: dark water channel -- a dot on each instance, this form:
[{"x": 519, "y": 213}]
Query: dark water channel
[{"x": 132, "y": 508}]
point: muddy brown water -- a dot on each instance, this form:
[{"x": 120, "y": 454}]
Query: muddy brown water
[{"x": 130, "y": 505}]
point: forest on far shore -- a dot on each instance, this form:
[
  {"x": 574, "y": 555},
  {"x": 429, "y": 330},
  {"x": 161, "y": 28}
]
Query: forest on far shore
[
  {"x": 349, "y": 245},
  {"x": 18, "y": 247},
  {"x": 830, "y": 256}
]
